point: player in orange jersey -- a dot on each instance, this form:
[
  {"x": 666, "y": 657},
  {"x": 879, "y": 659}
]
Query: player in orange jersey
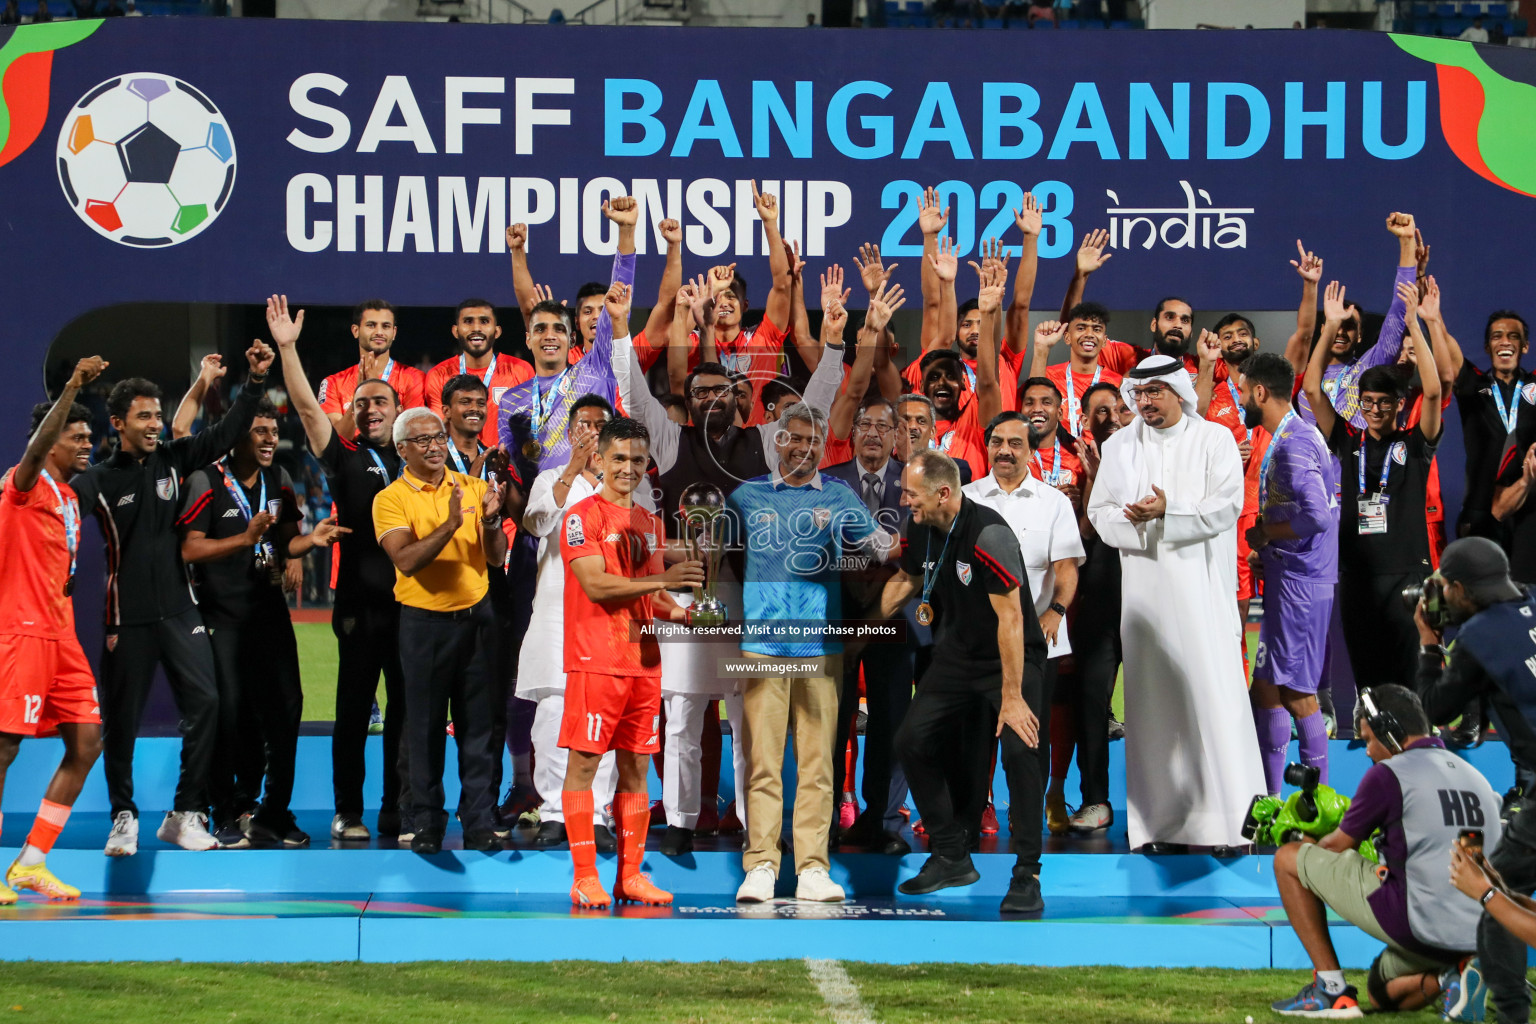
[
  {"x": 46, "y": 686},
  {"x": 615, "y": 585},
  {"x": 475, "y": 332},
  {"x": 373, "y": 325}
]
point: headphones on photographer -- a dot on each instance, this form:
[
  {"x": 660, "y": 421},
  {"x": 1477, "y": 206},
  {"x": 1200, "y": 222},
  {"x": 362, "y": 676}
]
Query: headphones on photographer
[{"x": 1383, "y": 724}]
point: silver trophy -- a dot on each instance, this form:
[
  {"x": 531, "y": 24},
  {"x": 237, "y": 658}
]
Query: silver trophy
[{"x": 703, "y": 510}]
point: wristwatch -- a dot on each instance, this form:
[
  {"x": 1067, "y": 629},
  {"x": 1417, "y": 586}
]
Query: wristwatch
[
  {"x": 1436, "y": 650},
  {"x": 1490, "y": 894},
  {"x": 1058, "y": 608}
]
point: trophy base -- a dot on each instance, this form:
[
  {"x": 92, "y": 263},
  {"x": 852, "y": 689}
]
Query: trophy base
[{"x": 707, "y": 617}]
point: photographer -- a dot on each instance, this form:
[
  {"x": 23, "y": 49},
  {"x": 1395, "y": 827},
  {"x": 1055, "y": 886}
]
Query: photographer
[
  {"x": 1491, "y": 657},
  {"x": 1420, "y": 799}
]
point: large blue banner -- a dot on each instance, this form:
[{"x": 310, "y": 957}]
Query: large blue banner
[{"x": 221, "y": 160}]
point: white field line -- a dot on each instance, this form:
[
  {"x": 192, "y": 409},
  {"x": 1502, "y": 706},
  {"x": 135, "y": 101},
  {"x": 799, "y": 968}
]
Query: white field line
[{"x": 839, "y": 992}]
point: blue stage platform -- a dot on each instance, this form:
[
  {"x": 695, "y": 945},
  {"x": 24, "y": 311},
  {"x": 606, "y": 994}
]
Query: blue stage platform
[{"x": 379, "y": 903}]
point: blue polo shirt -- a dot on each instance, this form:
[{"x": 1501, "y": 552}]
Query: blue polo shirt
[{"x": 796, "y": 540}]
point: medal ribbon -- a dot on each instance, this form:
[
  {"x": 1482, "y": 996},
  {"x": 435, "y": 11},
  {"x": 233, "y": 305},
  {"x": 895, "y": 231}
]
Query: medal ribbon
[
  {"x": 1269, "y": 454},
  {"x": 1055, "y": 473},
  {"x": 490, "y": 371},
  {"x": 1511, "y": 413},
  {"x": 1237, "y": 403},
  {"x": 1074, "y": 404},
  {"x": 931, "y": 576},
  {"x": 71, "y": 514},
  {"x": 238, "y": 493}
]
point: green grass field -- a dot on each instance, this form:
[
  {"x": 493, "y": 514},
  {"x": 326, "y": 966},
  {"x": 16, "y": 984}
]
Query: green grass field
[{"x": 577, "y": 991}]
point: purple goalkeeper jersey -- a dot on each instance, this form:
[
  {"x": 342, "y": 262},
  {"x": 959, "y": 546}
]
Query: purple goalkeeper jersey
[
  {"x": 1341, "y": 381},
  {"x": 540, "y": 408},
  {"x": 1299, "y": 484}
]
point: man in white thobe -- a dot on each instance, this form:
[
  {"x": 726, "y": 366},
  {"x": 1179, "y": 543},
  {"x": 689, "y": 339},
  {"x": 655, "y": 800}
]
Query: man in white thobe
[{"x": 1167, "y": 495}]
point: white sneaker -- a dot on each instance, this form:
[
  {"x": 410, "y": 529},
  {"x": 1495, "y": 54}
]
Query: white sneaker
[
  {"x": 758, "y": 885},
  {"x": 816, "y": 886},
  {"x": 123, "y": 840},
  {"x": 188, "y": 830}
]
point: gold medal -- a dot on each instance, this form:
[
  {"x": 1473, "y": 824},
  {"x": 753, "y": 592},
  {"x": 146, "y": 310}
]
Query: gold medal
[
  {"x": 925, "y": 614},
  {"x": 69, "y": 587},
  {"x": 532, "y": 450}
]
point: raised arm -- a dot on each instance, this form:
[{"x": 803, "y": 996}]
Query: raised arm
[
  {"x": 522, "y": 278},
  {"x": 635, "y": 393},
  {"x": 625, "y": 212},
  {"x": 807, "y": 344},
  {"x": 1027, "y": 218},
  {"x": 992, "y": 280},
  {"x": 285, "y": 331},
  {"x": 48, "y": 431},
  {"x": 1312, "y": 383},
  {"x": 1389, "y": 343},
  {"x": 1424, "y": 360},
  {"x": 938, "y": 297},
  {"x": 834, "y": 319},
  {"x": 189, "y": 453},
  {"x": 1208, "y": 348},
  {"x": 776, "y": 308},
  {"x": 1448, "y": 355},
  {"x": 678, "y": 349},
  {"x": 660, "y": 319},
  {"x": 1090, "y": 257},
  {"x": 1046, "y": 336},
  {"x": 1310, "y": 269},
  {"x": 211, "y": 370}
]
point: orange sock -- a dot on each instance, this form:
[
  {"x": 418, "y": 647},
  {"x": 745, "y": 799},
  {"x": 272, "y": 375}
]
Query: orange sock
[
  {"x": 577, "y": 804},
  {"x": 634, "y": 813},
  {"x": 47, "y": 826}
]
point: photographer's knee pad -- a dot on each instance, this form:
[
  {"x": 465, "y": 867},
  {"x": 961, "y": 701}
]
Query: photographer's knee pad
[{"x": 1376, "y": 985}]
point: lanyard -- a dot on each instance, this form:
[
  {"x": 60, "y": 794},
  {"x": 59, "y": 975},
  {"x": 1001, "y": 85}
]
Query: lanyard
[
  {"x": 458, "y": 460},
  {"x": 1269, "y": 454},
  {"x": 385, "y": 469},
  {"x": 1237, "y": 403},
  {"x": 931, "y": 576},
  {"x": 490, "y": 371},
  {"x": 1055, "y": 473},
  {"x": 970, "y": 376},
  {"x": 71, "y": 514},
  {"x": 1510, "y": 413},
  {"x": 238, "y": 493},
  {"x": 540, "y": 414},
  {"x": 1074, "y": 404},
  {"x": 1386, "y": 465}
]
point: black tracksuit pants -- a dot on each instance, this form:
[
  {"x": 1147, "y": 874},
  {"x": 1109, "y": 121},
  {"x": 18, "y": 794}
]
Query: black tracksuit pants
[
  {"x": 180, "y": 643},
  {"x": 368, "y": 642},
  {"x": 888, "y": 689},
  {"x": 261, "y": 702}
]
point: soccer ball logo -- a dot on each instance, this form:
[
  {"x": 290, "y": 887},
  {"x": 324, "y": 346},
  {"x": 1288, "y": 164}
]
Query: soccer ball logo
[{"x": 146, "y": 160}]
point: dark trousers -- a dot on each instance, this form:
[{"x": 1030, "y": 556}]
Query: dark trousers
[
  {"x": 971, "y": 786},
  {"x": 1096, "y": 652},
  {"x": 888, "y": 689},
  {"x": 367, "y": 643},
  {"x": 512, "y": 719},
  {"x": 923, "y": 745},
  {"x": 449, "y": 663},
  {"x": 1502, "y": 955},
  {"x": 1379, "y": 632},
  {"x": 261, "y": 702},
  {"x": 180, "y": 644}
]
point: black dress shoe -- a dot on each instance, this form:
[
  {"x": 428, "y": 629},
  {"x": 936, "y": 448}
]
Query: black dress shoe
[
  {"x": 677, "y": 841},
  {"x": 603, "y": 839},
  {"x": 427, "y": 842},
  {"x": 550, "y": 833},
  {"x": 482, "y": 840},
  {"x": 1165, "y": 848},
  {"x": 895, "y": 846},
  {"x": 1464, "y": 737},
  {"x": 1228, "y": 852},
  {"x": 941, "y": 872},
  {"x": 1023, "y": 896}
]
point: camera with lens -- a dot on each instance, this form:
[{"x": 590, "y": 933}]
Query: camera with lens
[
  {"x": 1432, "y": 592},
  {"x": 1311, "y": 812}
]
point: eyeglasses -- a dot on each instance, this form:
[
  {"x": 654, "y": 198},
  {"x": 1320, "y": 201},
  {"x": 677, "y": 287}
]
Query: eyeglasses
[
  {"x": 868, "y": 426},
  {"x": 717, "y": 391},
  {"x": 429, "y": 441},
  {"x": 1377, "y": 403},
  {"x": 1152, "y": 391}
]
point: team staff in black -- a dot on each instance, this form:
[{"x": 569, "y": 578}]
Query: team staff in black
[
  {"x": 239, "y": 528},
  {"x": 1492, "y": 658},
  {"x": 1384, "y": 479},
  {"x": 134, "y": 496},
  {"x": 962, "y": 561},
  {"x": 365, "y": 616}
]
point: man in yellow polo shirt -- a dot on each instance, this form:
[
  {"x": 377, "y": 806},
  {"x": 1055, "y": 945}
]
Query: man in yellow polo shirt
[{"x": 442, "y": 530}]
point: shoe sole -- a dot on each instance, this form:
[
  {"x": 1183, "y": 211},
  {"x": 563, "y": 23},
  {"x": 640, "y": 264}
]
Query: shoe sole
[
  {"x": 969, "y": 878},
  {"x": 122, "y": 851},
  {"x": 753, "y": 899},
  {"x": 1467, "y": 1006},
  {"x": 1035, "y": 908},
  {"x": 1085, "y": 830},
  {"x": 52, "y": 897},
  {"x": 821, "y": 899},
  {"x": 1348, "y": 1013},
  {"x": 644, "y": 903},
  {"x": 8, "y": 899}
]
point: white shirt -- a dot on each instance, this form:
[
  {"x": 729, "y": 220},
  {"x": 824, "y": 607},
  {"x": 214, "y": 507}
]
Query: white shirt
[
  {"x": 1041, "y": 517},
  {"x": 1474, "y": 35}
]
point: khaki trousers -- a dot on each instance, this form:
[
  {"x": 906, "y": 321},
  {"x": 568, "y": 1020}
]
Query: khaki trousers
[{"x": 771, "y": 707}]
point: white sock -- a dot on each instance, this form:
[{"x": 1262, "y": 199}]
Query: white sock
[
  {"x": 1332, "y": 981},
  {"x": 31, "y": 856}
]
